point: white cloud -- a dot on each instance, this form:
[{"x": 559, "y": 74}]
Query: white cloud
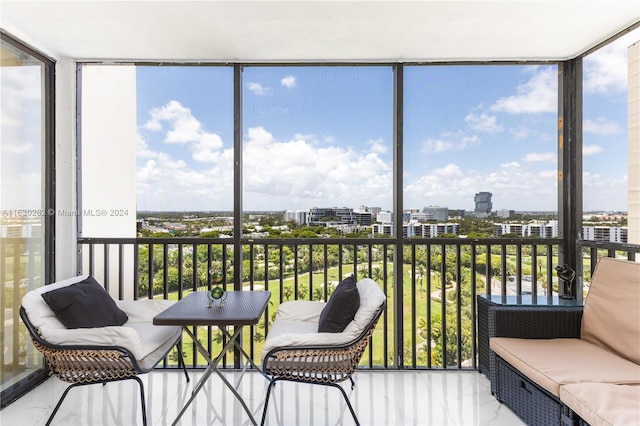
[
  {"x": 16, "y": 148},
  {"x": 605, "y": 70},
  {"x": 257, "y": 89},
  {"x": 289, "y": 82},
  {"x": 454, "y": 186},
  {"x": 538, "y": 95},
  {"x": 511, "y": 165},
  {"x": 167, "y": 184},
  {"x": 378, "y": 146},
  {"x": 184, "y": 128},
  {"x": 142, "y": 148},
  {"x": 207, "y": 148},
  {"x": 305, "y": 137},
  {"x": 548, "y": 157},
  {"x": 259, "y": 136},
  {"x": 301, "y": 174},
  {"x": 601, "y": 126},
  {"x": 591, "y": 149},
  {"x": 432, "y": 146},
  {"x": 152, "y": 125},
  {"x": 601, "y": 191},
  {"x": 449, "y": 141},
  {"x": 483, "y": 122}
]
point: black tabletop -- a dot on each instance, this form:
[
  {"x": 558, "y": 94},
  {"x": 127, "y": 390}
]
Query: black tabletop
[{"x": 240, "y": 308}]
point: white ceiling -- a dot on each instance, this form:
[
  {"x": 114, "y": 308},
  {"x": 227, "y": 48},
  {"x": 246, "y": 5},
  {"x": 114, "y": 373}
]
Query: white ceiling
[{"x": 299, "y": 31}]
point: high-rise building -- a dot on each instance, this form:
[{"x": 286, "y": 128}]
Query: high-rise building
[
  {"x": 441, "y": 214},
  {"x": 297, "y": 216},
  {"x": 423, "y": 230},
  {"x": 363, "y": 218},
  {"x": 609, "y": 234},
  {"x": 483, "y": 204},
  {"x": 373, "y": 210},
  {"x": 534, "y": 229},
  {"x": 385, "y": 217},
  {"x": 320, "y": 216},
  {"x": 505, "y": 213}
]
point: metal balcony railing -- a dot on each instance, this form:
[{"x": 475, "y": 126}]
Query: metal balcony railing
[
  {"x": 440, "y": 279},
  {"x": 430, "y": 321}
]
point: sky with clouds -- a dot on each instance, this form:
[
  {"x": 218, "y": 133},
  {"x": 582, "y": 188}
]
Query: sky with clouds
[{"x": 323, "y": 136}]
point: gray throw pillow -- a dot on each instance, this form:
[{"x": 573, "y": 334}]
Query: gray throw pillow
[
  {"x": 341, "y": 307},
  {"x": 85, "y": 305}
]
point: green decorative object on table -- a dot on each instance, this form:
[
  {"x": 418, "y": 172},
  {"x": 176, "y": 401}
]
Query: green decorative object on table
[{"x": 217, "y": 293}]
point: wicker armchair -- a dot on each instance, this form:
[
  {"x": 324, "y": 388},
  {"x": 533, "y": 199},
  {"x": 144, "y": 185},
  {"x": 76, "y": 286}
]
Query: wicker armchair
[
  {"x": 85, "y": 364},
  {"x": 324, "y": 364}
]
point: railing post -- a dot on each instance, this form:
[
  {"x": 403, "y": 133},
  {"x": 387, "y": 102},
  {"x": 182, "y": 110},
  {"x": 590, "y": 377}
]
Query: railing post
[
  {"x": 237, "y": 189},
  {"x": 398, "y": 261},
  {"x": 570, "y": 170}
]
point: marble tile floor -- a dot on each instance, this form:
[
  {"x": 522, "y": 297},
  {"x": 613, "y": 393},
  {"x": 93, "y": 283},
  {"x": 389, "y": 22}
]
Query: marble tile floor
[{"x": 379, "y": 398}]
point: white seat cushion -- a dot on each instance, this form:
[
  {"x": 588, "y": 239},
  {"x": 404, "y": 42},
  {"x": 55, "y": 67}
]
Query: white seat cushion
[
  {"x": 138, "y": 335},
  {"x": 296, "y": 322}
]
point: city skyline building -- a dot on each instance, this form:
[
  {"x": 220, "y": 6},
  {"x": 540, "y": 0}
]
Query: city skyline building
[
  {"x": 422, "y": 230},
  {"x": 297, "y": 216},
  {"x": 505, "y": 213},
  {"x": 483, "y": 204},
  {"x": 437, "y": 213},
  {"x": 322, "y": 216}
]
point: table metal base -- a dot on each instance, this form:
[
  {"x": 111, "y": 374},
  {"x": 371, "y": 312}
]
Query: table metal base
[{"x": 232, "y": 340}]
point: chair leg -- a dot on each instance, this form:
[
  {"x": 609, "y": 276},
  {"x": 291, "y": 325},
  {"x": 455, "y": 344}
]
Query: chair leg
[
  {"x": 64, "y": 394},
  {"x": 181, "y": 359},
  {"x": 66, "y": 391},
  {"x": 346, "y": 398},
  {"x": 344, "y": 394},
  {"x": 142, "y": 401},
  {"x": 266, "y": 401}
]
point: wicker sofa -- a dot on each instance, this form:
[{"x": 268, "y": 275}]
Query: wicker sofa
[{"x": 592, "y": 377}]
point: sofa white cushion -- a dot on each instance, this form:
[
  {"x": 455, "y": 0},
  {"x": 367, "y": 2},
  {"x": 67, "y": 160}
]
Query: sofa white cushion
[
  {"x": 296, "y": 322},
  {"x": 552, "y": 363},
  {"x": 138, "y": 334},
  {"x": 611, "y": 317}
]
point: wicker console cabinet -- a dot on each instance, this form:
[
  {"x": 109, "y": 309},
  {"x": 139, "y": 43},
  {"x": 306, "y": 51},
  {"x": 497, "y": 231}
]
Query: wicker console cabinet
[{"x": 525, "y": 317}]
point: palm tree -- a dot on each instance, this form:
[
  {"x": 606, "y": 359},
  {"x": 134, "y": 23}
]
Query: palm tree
[
  {"x": 421, "y": 272},
  {"x": 363, "y": 271},
  {"x": 377, "y": 274},
  {"x": 287, "y": 292}
]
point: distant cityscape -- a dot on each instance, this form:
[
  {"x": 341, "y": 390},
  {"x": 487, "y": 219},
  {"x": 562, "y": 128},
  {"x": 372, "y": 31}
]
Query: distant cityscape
[
  {"x": 428, "y": 222},
  {"x": 365, "y": 221}
]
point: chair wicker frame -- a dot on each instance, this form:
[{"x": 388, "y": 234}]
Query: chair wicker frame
[
  {"x": 327, "y": 365},
  {"x": 86, "y": 365}
]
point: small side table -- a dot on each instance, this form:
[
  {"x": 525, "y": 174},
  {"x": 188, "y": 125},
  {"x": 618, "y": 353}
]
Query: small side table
[
  {"x": 241, "y": 308},
  {"x": 525, "y": 317}
]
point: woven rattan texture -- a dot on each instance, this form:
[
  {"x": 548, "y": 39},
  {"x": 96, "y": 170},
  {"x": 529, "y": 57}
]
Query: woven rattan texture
[
  {"x": 80, "y": 366},
  {"x": 318, "y": 365},
  {"x": 528, "y": 322},
  {"x": 533, "y": 404},
  {"x": 483, "y": 336},
  {"x": 535, "y": 323}
]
